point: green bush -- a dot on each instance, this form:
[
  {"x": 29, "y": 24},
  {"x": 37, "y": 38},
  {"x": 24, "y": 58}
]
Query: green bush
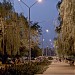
[{"x": 27, "y": 68}]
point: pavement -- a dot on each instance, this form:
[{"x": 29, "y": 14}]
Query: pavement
[{"x": 59, "y": 68}]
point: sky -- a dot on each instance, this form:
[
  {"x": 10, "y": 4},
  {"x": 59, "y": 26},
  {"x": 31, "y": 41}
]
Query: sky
[{"x": 45, "y": 13}]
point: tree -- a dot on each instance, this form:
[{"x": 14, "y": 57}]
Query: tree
[
  {"x": 36, "y": 51},
  {"x": 66, "y": 31},
  {"x": 14, "y": 31}
]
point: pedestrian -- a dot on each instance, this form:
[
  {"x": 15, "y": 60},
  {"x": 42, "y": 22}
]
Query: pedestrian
[{"x": 60, "y": 59}]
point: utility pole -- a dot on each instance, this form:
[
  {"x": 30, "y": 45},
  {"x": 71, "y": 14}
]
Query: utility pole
[
  {"x": 29, "y": 7},
  {"x": 47, "y": 51}
]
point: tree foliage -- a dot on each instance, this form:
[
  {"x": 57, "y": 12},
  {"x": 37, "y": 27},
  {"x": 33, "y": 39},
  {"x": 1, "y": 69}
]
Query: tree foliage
[
  {"x": 15, "y": 29},
  {"x": 66, "y": 29}
]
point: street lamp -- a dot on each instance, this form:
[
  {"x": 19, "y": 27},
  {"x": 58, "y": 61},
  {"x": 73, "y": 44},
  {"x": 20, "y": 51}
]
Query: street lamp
[
  {"x": 42, "y": 43},
  {"x": 47, "y": 30},
  {"x": 29, "y": 7},
  {"x": 39, "y": 0},
  {"x": 50, "y": 40},
  {"x": 47, "y": 51}
]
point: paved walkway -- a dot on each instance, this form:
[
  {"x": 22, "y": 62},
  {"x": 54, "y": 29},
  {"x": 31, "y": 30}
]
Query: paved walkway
[{"x": 59, "y": 68}]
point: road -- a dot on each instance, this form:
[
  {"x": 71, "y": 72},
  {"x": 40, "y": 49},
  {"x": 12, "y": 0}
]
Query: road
[{"x": 59, "y": 68}]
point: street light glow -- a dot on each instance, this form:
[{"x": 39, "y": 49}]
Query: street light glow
[
  {"x": 39, "y": 0},
  {"x": 50, "y": 40},
  {"x": 43, "y": 39},
  {"x": 47, "y": 30},
  {"x": 18, "y": 0}
]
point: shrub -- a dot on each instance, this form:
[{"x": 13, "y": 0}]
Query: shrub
[{"x": 26, "y": 69}]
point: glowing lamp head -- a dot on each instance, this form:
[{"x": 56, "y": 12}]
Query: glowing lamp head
[
  {"x": 47, "y": 30},
  {"x": 50, "y": 40},
  {"x": 39, "y": 0},
  {"x": 43, "y": 39},
  {"x": 19, "y": 0}
]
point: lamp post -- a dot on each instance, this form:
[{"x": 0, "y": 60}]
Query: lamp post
[
  {"x": 29, "y": 7},
  {"x": 42, "y": 42},
  {"x": 50, "y": 46},
  {"x": 42, "y": 45},
  {"x": 47, "y": 46},
  {"x": 47, "y": 30},
  {"x": 47, "y": 51}
]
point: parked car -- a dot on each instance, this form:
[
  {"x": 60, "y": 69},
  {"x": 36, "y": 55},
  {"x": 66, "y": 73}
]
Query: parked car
[{"x": 9, "y": 61}]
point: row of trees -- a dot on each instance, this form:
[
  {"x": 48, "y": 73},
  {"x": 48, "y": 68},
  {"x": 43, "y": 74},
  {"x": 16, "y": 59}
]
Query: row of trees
[
  {"x": 65, "y": 42},
  {"x": 14, "y": 30}
]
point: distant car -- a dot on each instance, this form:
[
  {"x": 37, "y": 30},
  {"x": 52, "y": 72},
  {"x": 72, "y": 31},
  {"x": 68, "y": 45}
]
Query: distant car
[
  {"x": 24, "y": 58},
  {"x": 9, "y": 61},
  {"x": 40, "y": 58},
  {"x": 70, "y": 58},
  {"x": 50, "y": 58}
]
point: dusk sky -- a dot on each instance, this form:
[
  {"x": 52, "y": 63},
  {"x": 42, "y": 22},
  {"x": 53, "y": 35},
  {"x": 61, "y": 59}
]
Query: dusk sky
[{"x": 45, "y": 13}]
